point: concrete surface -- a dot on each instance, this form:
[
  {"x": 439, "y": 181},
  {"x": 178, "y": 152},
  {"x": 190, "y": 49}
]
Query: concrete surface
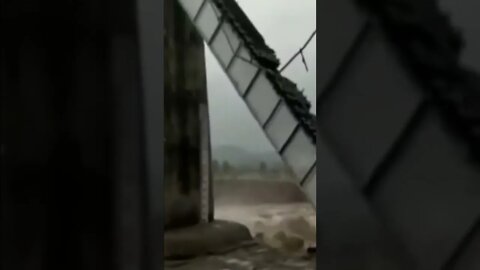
[
  {"x": 204, "y": 239},
  {"x": 184, "y": 58}
]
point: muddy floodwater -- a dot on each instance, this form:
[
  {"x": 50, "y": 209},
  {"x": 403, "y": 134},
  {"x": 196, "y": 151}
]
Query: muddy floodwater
[
  {"x": 279, "y": 218},
  {"x": 276, "y": 213},
  {"x": 288, "y": 227}
]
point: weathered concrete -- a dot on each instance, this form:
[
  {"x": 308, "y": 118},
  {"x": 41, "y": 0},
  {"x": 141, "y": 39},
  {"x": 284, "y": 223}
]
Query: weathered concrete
[
  {"x": 185, "y": 92},
  {"x": 204, "y": 239}
]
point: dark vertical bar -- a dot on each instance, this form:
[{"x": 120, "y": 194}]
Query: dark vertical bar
[
  {"x": 151, "y": 41},
  {"x": 3, "y": 193},
  {"x": 74, "y": 193},
  {"x": 56, "y": 212}
]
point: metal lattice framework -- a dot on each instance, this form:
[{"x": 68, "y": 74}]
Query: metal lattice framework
[{"x": 276, "y": 103}]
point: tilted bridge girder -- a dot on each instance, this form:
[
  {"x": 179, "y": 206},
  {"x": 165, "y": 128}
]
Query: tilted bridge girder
[{"x": 275, "y": 102}]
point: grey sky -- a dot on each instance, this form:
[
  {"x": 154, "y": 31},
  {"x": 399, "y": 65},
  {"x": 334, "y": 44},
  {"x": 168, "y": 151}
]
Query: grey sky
[{"x": 285, "y": 25}]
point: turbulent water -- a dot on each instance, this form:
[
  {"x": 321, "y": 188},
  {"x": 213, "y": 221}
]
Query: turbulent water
[
  {"x": 276, "y": 212},
  {"x": 289, "y": 227},
  {"x": 277, "y": 215}
]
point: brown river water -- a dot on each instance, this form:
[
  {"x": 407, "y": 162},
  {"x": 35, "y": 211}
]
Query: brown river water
[{"x": 276, "y": 213}]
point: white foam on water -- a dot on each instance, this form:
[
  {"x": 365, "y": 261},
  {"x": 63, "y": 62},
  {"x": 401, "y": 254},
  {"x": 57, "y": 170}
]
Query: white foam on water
[{"x": 294, "y": 220}]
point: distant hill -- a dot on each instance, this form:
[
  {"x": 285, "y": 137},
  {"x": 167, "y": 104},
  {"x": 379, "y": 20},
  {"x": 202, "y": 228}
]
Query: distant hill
[{"x": 242, "y": 158}]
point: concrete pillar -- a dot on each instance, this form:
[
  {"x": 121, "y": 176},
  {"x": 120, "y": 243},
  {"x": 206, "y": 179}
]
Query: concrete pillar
[
  {"x": 185, "y": 99},
  {"x": 188, "y": 190}
]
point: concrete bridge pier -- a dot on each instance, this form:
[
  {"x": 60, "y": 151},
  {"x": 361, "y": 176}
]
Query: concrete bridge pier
[
  {"x": 189, "y": 225},
  {"x": 185, "y": 93}
]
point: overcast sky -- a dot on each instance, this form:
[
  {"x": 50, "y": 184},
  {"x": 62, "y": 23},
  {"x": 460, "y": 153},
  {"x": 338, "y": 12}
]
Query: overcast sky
[{"x": 285, "y": 25}]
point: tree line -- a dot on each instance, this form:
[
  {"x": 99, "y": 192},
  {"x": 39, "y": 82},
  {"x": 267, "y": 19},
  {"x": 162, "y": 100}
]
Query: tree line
[{"x": 226, "y": 166}]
